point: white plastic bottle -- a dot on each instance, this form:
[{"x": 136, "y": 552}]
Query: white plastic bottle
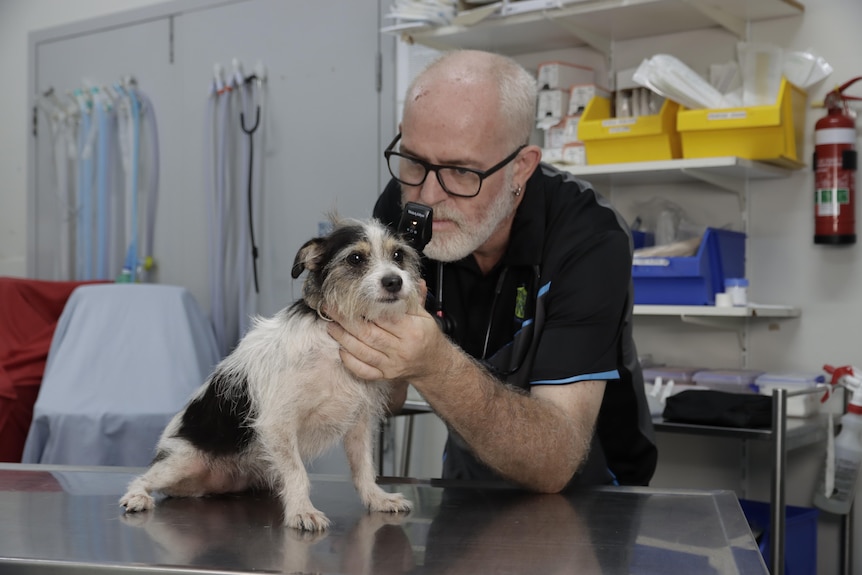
[{"x": 847, "y": 457}]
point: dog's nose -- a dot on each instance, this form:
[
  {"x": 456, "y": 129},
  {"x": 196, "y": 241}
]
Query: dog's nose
[{"x": 392, "y": 283}]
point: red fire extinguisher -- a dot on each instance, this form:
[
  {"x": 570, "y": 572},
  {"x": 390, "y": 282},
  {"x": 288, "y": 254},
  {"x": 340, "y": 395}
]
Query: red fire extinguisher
[{"x": 835, "y": 171}]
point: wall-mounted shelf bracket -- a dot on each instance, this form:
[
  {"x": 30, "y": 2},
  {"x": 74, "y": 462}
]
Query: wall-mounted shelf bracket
[
  {"x": 727, "y": 183},
  {"x": 598, "y": 42},
  {"x": 723, "y": 323},
  {"x": 733, "y": 24}
]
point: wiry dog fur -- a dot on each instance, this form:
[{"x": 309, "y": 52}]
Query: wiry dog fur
[{"x": 283, "y": 397}]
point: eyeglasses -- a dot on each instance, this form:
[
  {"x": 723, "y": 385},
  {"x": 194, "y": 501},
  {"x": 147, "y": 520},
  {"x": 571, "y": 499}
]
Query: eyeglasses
[{"x": 455, "y": 180}]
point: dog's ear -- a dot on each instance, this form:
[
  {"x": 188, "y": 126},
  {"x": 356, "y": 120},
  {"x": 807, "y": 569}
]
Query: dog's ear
[{"x": 308, "y": 257}]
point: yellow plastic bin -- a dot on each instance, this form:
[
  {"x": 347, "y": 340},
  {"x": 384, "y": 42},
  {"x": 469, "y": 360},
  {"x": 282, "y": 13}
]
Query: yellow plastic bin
[
  {"x": 642, "y": 139},
  {"x": 773, "y": 133}
]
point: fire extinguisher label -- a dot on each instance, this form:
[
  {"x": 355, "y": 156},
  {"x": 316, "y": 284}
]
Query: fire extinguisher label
[
  {"x": 829, "y": 202},
  {"x": 835, "y": 136}
]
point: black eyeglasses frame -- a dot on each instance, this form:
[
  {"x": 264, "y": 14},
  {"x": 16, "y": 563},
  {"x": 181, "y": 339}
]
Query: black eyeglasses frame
[{"x": 429, "y": 167}]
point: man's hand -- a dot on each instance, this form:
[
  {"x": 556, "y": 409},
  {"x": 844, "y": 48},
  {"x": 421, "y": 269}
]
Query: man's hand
[
  {"x": 538, "y": 440},
  {"x": 399, "y": 348}
]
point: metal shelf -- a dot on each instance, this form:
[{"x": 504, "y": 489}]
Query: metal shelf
[
  {"x": 753, "y": 311},
  {"x": 799, "y": 432},
  {"x": 726, "y": 172},
  {"x": 598, "y": 23}
]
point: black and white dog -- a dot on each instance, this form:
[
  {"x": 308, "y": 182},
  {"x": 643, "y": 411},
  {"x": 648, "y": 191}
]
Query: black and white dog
[{"x": 283, "y": 397}]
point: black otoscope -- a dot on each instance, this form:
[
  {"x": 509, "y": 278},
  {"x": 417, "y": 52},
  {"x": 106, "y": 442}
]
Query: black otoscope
[{"x": 415, "y": 226}]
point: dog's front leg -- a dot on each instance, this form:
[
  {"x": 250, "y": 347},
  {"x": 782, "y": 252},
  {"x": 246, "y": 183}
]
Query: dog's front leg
[
  {"x": 359, "y": 446},
  {"x": 295, "y": 486}
]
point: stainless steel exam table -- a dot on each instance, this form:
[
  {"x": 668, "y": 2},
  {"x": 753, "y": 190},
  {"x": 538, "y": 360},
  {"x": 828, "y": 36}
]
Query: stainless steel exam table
[{"x": 58, "y": 519}]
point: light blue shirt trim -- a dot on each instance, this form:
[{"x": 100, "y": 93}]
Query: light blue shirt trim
[
  {"x": 544, "y": 289},
  {"x": 605, "y": 375}
]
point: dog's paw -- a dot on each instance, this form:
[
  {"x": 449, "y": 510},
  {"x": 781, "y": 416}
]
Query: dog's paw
[
  {"x": 134, "y": 502},
  {"x": 389, "y": 503},
  {"x": 309, "y": 520}
]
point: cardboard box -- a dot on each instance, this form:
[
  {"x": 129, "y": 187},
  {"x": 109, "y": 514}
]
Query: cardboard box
[
  {"x": 563, "y": 75},
  {"x": 581, "y": 94},
  {"x": 575, "y": 154},
  {"x": 562, "y": 133},
  {"x": 552, "y": 104}
]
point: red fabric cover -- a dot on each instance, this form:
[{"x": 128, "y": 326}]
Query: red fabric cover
[{"x": 29, "y": 311}]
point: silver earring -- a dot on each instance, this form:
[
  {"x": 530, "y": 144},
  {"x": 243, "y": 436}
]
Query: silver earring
[{"x": 517, "y": 192}]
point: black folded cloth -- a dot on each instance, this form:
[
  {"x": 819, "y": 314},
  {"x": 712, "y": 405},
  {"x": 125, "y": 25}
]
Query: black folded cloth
[{"x": 709, "y": 407}]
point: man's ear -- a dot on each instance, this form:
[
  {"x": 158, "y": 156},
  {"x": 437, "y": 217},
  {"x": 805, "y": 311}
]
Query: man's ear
[
  {"x": 528, "y": 161},
  {"x": 308, "y": 257}
]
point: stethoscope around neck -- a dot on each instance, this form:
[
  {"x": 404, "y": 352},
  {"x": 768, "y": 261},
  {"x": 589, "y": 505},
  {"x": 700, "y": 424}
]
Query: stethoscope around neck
[{"x": 447, "y": 323}]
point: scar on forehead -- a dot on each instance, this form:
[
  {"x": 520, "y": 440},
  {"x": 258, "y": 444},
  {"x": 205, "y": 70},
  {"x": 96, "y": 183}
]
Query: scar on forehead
[{"x": 419, "y": 94}]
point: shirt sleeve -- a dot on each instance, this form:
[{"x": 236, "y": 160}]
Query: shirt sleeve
[{"x": 586, "y": 305}]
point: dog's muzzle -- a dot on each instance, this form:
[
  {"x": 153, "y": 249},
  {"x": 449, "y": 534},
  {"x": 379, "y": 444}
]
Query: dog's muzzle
[{"x": 392, "y": 283}]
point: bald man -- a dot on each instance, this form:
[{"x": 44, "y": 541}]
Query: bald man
[{"x": 534, "y": 371}]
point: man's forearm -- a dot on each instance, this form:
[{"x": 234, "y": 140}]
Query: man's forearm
[{"x": 527, "y": 439}]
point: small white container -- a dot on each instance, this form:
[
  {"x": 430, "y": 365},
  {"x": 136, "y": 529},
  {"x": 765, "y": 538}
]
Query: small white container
[
  {"x": 737, "y": 289},
  {"x": 681, "y": 375},
  {"x": 729, "y": 380},
  {"x": 800, "y": 405}
]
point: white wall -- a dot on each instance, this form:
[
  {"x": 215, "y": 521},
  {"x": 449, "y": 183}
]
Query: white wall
[{"x": 17, "y": 19}]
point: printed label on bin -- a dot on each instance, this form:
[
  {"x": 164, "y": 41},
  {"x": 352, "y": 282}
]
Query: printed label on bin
[
  {"x": 619, "y": 130},
  {"x": 662, "y": 262},
  {"x": 735, "y": 115},
  {"x": 618, "y": 122}
]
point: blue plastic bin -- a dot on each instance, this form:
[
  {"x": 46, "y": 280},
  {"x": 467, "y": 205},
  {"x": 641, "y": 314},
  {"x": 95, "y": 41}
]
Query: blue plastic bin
[
  {"x": 800, "y": 540},
  {"x": 642, "y": 239},
  {"x": 691, "y": 280}
]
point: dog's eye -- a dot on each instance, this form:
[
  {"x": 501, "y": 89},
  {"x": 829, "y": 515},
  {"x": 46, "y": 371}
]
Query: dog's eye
[
  {"x": 355, "y": 259},
  {"x": 398, "y": 256}
]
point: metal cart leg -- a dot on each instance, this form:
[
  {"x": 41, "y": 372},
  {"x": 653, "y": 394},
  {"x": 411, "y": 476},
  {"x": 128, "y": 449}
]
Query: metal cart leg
[
  {"x": 779, "y": 461},
  {"x": 406, "y": 446}
]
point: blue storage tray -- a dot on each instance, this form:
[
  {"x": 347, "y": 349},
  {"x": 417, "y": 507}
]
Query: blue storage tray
[
  {"x": 642, "y": 239},
  {"x": 800, "y": 540},
  {"x": 691, "y": 280}
]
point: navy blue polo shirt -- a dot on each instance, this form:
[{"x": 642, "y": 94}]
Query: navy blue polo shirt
[{"x": 569, "y": 262}]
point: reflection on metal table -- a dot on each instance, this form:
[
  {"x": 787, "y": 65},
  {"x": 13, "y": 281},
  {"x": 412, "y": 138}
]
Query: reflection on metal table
[{"x": 67, "y": 520}]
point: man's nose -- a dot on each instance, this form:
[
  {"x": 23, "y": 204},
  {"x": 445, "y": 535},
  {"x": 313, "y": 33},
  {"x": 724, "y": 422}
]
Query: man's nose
[{"x": 431, "y": 192}]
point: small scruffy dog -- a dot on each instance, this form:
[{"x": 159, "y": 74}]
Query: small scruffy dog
[{"x": 283, "y": 397}]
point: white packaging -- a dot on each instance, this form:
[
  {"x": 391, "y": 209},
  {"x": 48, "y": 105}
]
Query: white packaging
[
  {"x": 562, "y": 75},
  {"x": 581, "y": 94},
  {"x": 570, "y": 130},
  {"x": 552, "y": 104},
  {"x": 575, "y": 154},
  {"x": 555, "y": 136},
  {"x": 552, "y": 155}
]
